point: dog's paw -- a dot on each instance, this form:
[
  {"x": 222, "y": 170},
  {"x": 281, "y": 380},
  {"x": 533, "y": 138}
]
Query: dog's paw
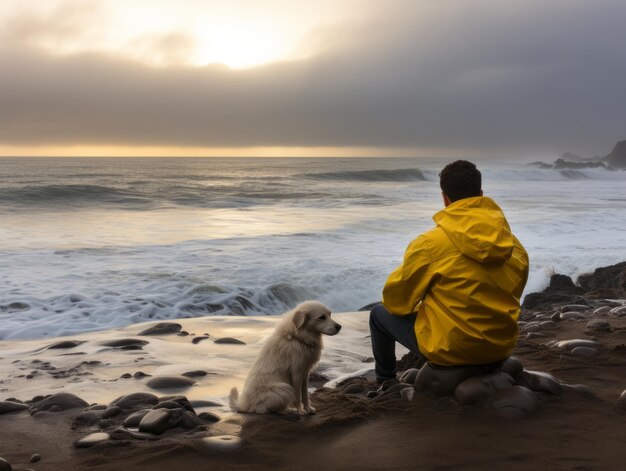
[
  {"x": 310, "y": 410},
  {"x": 301, "y": 411}
]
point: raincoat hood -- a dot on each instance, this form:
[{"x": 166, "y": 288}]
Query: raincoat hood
[{"x": 478, "y": 229}]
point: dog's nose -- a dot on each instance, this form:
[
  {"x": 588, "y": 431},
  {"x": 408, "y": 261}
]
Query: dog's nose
[{"x": 337, "y": 327}]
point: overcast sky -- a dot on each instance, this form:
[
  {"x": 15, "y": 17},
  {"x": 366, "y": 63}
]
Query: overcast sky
[{"x": 416, "y": 77}]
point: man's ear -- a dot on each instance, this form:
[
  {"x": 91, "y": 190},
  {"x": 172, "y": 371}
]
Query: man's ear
[{"x": 299, "y": 318}]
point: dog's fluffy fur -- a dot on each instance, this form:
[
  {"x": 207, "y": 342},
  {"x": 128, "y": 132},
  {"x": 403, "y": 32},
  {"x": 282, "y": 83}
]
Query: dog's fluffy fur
[{"x": 279, "y": 378}]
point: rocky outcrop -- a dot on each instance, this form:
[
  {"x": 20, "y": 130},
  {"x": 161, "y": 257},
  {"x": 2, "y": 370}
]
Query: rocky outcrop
[
  {"x": 561, "y": 290},
  {"x": 617, "y": 157},
  {"x": 610, "y": 282}
]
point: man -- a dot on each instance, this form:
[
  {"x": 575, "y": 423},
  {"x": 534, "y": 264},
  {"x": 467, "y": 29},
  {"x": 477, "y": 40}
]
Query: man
[{"x": 455, "y": 299}]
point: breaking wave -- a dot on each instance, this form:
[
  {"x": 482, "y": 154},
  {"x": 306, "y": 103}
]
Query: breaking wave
[{"x": 398, "y": 175}]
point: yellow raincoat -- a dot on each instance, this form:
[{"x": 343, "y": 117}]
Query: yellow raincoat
[{"x": 464, "y": 278}]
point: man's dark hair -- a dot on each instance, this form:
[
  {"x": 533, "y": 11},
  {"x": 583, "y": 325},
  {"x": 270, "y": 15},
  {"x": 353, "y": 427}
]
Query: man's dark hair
[{"x": 460, "y": 179}]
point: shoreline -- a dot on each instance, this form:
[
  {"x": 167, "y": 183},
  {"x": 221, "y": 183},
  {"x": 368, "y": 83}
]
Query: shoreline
[{"x": 579, "y": 428}]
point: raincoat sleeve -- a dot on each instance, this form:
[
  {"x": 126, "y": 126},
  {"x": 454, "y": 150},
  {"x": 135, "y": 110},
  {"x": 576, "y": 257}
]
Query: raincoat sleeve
[{"x": 407, "y": 284}]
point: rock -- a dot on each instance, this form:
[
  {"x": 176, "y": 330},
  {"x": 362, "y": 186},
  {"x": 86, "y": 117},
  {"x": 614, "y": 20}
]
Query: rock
[
  {"x": 124, "y": 343},
  {"x": 617, "y": 157},
  {"x": 126, "y": 376},
  {"x": 4, "y": 465},
  {"x": 479, "y": 388},
  {"x": 601, "y": 311},
  {"x": 195, "y": 374},
  {"x": 539, "y": 381},
  {"x": 140, "y": 374},
  {"x": 443, "y": 381},
  {"x": 619, "y": 311},
  {"x": 229, "y": 340},
  {"x": 162, "y": 328},
  {"x": 203, "y": 403},
  {"x": 622, "y": 399},
  {"x": 580, "y": 389},
  {"x": 574, "y": 308},
  {"x": 197, "y": 340},
  {"x": 111, "y": 412},
  {"x": 35, "y": 458},
  {"x": 158, "y": 421},
  {"x": 122, "y": 433},
  {"x": 58, "y": 402},
  {"x": 572, "y": 316},
  {"x": 134, "y": 419},
  {"x": 170, "y": 382},
  {"x": 135, "y": 401},
  {"x": 396, "y": 388},
  {"x": 409, "y": 375},
  {"x": 177, "y": 401},
  {"x": 512, "y": 366},
  {"x": 573, "y": 343},
  {"x": 613, "y": 277},
  {"x": 584, "y": 352},
  {"x": 88, "y": 417},
  {"x": 561, "y": 290},
  {"x": 209, "y": 417},
  {"x": 372, "y": 394},
  {"x": 66, "y": 344},
  {"x": 10, "y": 406},
  {"x": 91, "y": 440},
  {"x": 515, "y": 402},
  {"x": 191, "y": 421},
  {"x": 599, "y": 326}
]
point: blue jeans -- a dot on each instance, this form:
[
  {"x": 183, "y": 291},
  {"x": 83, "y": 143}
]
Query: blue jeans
[{"x": 387, "y": 329}]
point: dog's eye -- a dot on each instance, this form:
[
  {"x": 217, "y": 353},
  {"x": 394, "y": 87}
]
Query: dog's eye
[{"x": 322, "y": 318}]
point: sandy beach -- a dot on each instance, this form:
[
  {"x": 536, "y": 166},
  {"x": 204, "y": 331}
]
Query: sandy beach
[{"x": 191, "y": 364}]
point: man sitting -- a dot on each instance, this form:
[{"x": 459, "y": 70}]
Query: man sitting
[{"x": 455, "y": 299}]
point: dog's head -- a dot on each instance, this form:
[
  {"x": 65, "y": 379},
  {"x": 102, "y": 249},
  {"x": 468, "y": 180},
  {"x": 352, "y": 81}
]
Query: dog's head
[{"x": 314, "y": 317}]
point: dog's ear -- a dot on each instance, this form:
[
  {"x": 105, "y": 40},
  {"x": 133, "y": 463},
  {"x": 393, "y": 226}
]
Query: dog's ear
[{"x": 299, "y": 318}]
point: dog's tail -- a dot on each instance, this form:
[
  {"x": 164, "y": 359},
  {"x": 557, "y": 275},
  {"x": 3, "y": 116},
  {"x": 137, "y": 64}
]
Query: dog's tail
[{"x": 233, "y": 400}]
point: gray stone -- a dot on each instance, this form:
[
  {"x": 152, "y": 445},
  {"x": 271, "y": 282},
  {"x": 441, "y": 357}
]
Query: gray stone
[
  {"x": 170, "y": 382},
  {"x": 598, "y": 325},
  {"x": 125, "y": 343},
  {"x": 230, "y": 340},
  {"x": 191, "y": 421},
  {"x": 88, "y": 417},
  {"x": 197, "y": 340},
  {"x": 203, "y": 403},
  {"x": 10, "y": 406},
  {"x": 135, "y": 401},
  {"x": 162, "y": 328},
  {"x": 407, "y": 394},
  {"x": 619, "y": 311},
  {"x": 209, "y": 417},
  {"x": 36, "y": 457},
  {"x": 111, "y": 412},
  {"x": 512, "y": 366},
  {"x": 134, "y": 419},
  {"x": 91, "y": 440},
  {"x": 353, "y": 388},
  {"x": 156, "y": 421},
  {"x": 58, "y": 402},
  {"x": 443, "y": 381},
  {"x": 584, "y": 352},
  {"x": 176, "y": 401},
  {"x": 515, "y": 402},
  {"x": 581, "y": 389},
  {"x": 573, "y": 343},
  {"x": 66, "y": 344},
  {"x": 122, "y": 433},
  {"x": 195, "y": 374},
  {"x": 601, "y": 311},
  {"x": 471, "y": 391},
  {"x": 574, "y": 307},
  {"x": 140, "y": 374},
  {"x": 396, "y": 388},
  {"x": 572, "y": 316},
  {"x": 5, "y": 465},
  {"x": 539, "y": 381},
  {"x": 409, "y": 375}
]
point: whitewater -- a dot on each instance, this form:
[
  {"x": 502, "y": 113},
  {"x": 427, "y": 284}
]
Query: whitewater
[{"x": 89, "y": 244}]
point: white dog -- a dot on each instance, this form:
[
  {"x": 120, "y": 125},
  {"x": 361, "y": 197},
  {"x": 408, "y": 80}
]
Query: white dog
[{"x": 279, "y": 378}]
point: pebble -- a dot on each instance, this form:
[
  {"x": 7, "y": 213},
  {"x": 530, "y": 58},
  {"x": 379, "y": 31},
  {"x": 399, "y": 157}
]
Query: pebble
[
  {"x": 126, "y": 376},
  {"x": 230, "y": 340},
  {"x": 195, "y": 374},
  {"x": 10, "y": 406},
  {"x": 443, "y": 381},
  {"x": 111, "y": 412},
  {"x": 4, "y": 465},
  {"x": 572, "y": 315},
  {"x": 91, "y": 439},
  {"x": 203, "y": 403},
  {"x": 619, "y": 311},
  {"x": 407, "y": 394},
  {"x": 581, "y": 389},
  {"x": 140, "y": 374},
  {"x": 513, "y": 366},
  {"x": 573, "y": 343},
  {"x": 88, "y": 417},
  {"x": 574, "y": 307},
  {"x": 135, "y": 400},
  {"x": 209, "y": 417},
  {"x": 170, "y": 382},
  {"x": 409, "y": 375},
  {"x": 122, "y": 433},
  {"x": 539, "y": 381},
  {"x": 125, "y": 343},
  {"x": 197, "y": 340},
  {"x": 515, "y": 402},
  {"x": 36, "y": 457},
  {"x": 191, "y": 421},
  {"x": 156, "y": 421},
  {"x": 162, "y": 328},
  {"x": 601, "y": 311},
  {"x": 584, "y": 352},
  {"x": 480, "y": 388},
  {"x": 599, "y": 325},
  {"x": 66, "y": 344},
  {"x": 58, "y": 402},
  {"x": 134, "y": 419}
]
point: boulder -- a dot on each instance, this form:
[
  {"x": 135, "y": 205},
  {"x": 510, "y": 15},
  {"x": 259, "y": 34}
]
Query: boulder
[
  {"x": 539, "y": 381},
  {"x": 612, "y": 277},
  {"x": 515, "y": 402},
  {"x": 617, "y": 157},
  {"x": 162, "y": 328},
  {"x": 135, "y": 401},
  {"x": 58, "y": 402}
]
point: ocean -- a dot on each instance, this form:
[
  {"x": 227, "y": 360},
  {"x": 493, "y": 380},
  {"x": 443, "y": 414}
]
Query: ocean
[{"x": 88, "y": 244}]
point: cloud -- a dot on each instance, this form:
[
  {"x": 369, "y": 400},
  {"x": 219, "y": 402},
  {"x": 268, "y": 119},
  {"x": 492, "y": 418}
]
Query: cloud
[{"x": 500, "y": 76}]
